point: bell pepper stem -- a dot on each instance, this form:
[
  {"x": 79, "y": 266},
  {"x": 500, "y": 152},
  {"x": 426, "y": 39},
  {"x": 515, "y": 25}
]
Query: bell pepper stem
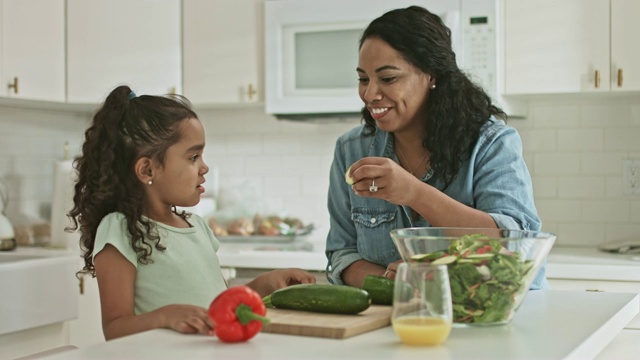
[{"x": 245, "y": 314}]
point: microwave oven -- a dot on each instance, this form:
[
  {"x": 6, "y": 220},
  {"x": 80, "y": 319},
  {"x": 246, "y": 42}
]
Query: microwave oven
[{"x": 311, "y": 51}]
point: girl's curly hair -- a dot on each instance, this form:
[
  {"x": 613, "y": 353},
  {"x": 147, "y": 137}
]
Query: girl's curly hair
[
  {"x": 457, "y": 108},
  {"x": 124, "y": 129}
]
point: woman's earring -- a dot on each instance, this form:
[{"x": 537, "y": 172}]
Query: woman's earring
[
  {"x": 433, "y": 86},
  {"x": 150, "y": 182}
]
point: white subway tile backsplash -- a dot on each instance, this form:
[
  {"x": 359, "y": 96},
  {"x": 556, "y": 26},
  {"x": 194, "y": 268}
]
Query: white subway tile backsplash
[
  {"x": 617, "y": 232},
  {"x": 547, "y": 163},
  {"x": 281, "y": 144},
  {"x": 634, "y": 210},
  {"x": 559, "y": 210},
  {"x": 604, "y": 115},
  {"x": 267, "y": 166},
  {"x": 545, "y": 187},
  {"x": 228, "y": 164},
  {"x": 582, "y": 234},
  {"x": 581, "y": 187},
  {"x": 554, "y": 116},
  {"x": 609, "y": 211},
  {"x": 613, "y": 186},
  {"x": 573, "y": 149},
  {"x": 622, "y": 139},
  {"x": 244, "y": 144},
  {"x": 634, "y": 114},
  {"x": 601, "y": 163},
  {"x": 580, "y": 139},
  {"x": 535, "y": 140},
  {"x": 302, "y": 165},
  {"x": 283, "y": 186}
]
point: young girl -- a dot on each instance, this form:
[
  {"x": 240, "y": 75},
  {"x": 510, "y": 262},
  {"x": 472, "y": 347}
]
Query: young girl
[{"x": 156, "y": 267}]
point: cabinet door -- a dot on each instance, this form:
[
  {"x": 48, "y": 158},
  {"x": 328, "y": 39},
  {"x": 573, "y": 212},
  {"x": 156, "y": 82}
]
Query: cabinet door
[
  {"x": 556, "y": 46},
  {"x": 86, "y": 330},
  {"x": 222, "y": 44},
  {"x": 33, "y": 49},
  {"x": 625, "y": 57},
  {"x": 113, "y": 42}
]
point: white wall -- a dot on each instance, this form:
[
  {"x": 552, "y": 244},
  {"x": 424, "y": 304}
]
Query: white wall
[{"x": 574, "y": 148}]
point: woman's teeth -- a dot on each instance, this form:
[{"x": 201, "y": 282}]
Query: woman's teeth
[{"x": 379, "y": 110}]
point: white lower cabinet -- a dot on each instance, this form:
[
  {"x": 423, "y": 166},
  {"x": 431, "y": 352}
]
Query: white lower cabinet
[
  {"x": 600, "y": 285},
  {"x": 86, "y": 330}
]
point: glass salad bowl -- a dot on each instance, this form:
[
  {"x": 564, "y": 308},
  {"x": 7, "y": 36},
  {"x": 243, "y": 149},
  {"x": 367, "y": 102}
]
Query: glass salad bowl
[{"x": 490, "y": 270}]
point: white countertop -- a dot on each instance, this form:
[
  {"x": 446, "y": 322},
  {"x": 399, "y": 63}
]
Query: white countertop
[
  {"x": 563, "y": 262},
  {"x": 592, "y": 264},
  {"x": 550, "y": 324}
]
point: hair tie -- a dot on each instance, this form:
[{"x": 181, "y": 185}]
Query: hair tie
[{"x": 131, "y": 95}]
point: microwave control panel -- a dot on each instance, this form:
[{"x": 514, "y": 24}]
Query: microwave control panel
[{"x": 479, "y": 46}]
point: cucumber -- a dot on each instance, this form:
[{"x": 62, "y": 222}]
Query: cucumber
[
  {"x": 379, "y": 288},
  {"x": 323, "y": 298}
]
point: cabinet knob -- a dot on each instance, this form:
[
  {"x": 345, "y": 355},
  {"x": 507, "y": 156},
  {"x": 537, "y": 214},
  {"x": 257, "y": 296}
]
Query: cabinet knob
[
  {"x": 597, "y": 79},
  {"x": 251, "y": 91},
  {"x": 14, "y": 85},
  {"x": 619, "y": 77}
]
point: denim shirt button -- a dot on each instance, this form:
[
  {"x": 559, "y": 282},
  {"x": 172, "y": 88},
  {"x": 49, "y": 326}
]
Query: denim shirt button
[{"x": 373, "y": 220}]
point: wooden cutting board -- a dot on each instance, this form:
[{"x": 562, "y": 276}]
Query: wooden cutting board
[{"x": 335, "y": 326}]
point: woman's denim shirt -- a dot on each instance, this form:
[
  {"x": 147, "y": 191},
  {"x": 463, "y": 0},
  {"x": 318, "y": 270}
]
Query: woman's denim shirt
[{"x": 494, "y": 179}]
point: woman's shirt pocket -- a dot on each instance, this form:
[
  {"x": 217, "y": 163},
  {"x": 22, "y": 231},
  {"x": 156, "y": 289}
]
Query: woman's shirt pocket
[{"x": 373, "y": 239}]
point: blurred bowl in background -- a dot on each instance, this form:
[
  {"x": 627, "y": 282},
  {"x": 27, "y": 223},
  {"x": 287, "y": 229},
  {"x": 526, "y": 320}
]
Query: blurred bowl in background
[{"x": 490, "y": 270}]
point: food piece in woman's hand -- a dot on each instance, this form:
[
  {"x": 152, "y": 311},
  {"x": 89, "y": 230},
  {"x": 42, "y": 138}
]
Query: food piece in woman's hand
[{"x": 348, "y": 178}]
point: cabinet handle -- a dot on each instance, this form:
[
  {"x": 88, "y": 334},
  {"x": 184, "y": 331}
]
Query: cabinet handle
[
  {"x": 14, "y": 85},
  {"x": 597, "y": 80},
  {"x": 594, "y": 290},
  {"x": 619, "y": 77},
  {"x": 81, "y": 285},
  {"x": 251, "y": 91}
]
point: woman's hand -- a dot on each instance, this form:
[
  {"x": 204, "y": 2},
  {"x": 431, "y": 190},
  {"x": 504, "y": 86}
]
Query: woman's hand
[
  {"x": 391, "y": 270},
  {"x": 186, "y": 319},
  {"x": 271, "y": 281},
  {"x": 393, "y": 183}
]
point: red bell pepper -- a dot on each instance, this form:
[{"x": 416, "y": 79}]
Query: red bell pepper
[{"x": 237, "y": 314}]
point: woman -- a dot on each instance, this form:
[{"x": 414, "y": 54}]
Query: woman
[{"x": 431, "y": 151}]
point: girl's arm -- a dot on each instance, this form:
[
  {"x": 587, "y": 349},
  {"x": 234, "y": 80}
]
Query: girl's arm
[
  {"x": 116, "y": 279},
  {"x": 266, "y": 283}
]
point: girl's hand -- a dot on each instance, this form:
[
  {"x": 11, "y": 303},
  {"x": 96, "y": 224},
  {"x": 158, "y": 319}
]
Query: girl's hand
[
  {"x": 186, "y": 319},
  {"x": 394, "y": 184},
  {"x": 271, "y": 281}
]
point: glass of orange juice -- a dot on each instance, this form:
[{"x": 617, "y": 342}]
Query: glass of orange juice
[{"x": 422, "y": 309}]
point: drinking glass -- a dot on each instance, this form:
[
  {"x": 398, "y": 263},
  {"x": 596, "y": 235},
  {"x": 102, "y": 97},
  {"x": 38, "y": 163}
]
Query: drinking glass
[{"x": 422, "y": 309}]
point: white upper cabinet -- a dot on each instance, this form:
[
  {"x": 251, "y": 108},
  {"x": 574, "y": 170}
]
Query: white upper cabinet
[
  {"x": 625, "y": 48},
  {"x": 571, "y": 46},
  {"x": 114, "y": 42},
  {"x": 222, "y": 46},
  {"x": 557, "y": 46},
  {"x": 33, "y": 57}
]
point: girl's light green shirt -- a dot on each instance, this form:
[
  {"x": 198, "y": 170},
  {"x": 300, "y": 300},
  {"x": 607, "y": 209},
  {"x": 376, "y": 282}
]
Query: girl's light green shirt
[{"x": 186, "y": 272}]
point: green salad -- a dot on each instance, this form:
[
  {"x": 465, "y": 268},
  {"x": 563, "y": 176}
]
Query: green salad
[{"x": 485, "y": 278}]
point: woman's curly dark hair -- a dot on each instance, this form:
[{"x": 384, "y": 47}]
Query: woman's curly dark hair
[
  {"x": 457, "y": 108},
  {"x": 124, "y": 129}
]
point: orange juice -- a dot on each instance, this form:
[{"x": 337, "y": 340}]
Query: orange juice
[{"x": 414, "y": 330}]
